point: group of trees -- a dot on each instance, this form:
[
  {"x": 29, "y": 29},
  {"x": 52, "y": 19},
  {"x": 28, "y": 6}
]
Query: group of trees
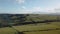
[{"x": 10, "y": 19}]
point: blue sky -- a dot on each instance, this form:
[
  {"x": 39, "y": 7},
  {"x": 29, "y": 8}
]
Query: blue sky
[{"x": 29, "y": 6}]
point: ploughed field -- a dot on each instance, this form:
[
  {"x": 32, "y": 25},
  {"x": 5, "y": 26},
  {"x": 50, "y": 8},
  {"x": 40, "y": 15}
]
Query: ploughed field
[{"x": 40, "y": 28}]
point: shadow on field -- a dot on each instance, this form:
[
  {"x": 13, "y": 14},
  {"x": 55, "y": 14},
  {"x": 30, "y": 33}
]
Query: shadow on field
[
  {"x": 37, "y": 30},
  {"x": 43, "y": 30},
  {"x": 31, "y": 22},
  {"x": 20, "y": 32}
]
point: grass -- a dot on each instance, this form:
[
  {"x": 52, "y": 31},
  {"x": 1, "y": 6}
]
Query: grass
[
  {"x": 44, "y": 32},
  {"x": 7, "y": 30},
  {"x": 31, "y": 27},
  {"x": 36, "y": 27}
]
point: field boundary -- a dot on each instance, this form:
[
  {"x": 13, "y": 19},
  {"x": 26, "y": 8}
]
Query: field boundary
[{"x": 42, "y": 30}]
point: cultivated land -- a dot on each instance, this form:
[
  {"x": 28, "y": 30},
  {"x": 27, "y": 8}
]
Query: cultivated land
[{"x": 40, "y": 28}]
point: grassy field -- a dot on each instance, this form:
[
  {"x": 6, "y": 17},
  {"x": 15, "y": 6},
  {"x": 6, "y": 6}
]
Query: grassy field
[
  {"x": 33, "y": 28},
  {"x": 41, "y": 17}
]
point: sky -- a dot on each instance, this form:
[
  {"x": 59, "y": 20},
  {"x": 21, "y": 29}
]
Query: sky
[{"x": 29, "y": 6}]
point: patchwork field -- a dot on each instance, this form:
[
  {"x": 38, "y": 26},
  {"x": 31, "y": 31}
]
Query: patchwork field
[{"x": 40, "y": 28}]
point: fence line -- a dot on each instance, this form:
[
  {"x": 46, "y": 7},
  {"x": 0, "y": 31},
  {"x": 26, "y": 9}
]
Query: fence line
[{"x": 42, "y": 30}]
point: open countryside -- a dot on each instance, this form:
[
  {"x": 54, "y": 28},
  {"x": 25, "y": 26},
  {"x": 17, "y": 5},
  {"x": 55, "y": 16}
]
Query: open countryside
[{"x": 29, "y": 25}]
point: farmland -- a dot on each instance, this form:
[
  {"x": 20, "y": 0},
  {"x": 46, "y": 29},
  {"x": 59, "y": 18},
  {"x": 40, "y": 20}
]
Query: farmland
[
  {"x": 33, "y": 29},
  {"x": 37, "y": 28}
]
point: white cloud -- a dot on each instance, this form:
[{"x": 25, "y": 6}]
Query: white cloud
[
  {"x": 32, "y": 9},
  {"x": 20, "y": 1},
  {"x": 26, "y": 10},
  {"x": 57, "y": 10},
  {"x": 23, "y": 7},
  {"x": 52, "y": 9},
  {"x": 48, "y": 9},
  {"x": 36, "y": 9}
]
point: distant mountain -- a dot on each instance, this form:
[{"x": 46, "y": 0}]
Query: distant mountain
[
  {"x": 40, "y": 12},
  {"x": 54, "y": 14}
]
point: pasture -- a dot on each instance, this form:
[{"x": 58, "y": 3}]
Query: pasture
[{"x": 40, "y": 28}]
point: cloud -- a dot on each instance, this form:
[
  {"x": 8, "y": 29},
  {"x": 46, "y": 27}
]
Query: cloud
[
  {"x": 49, "y": 9},
  {"x": 20, "y": 1},
  {"x": 57, "y": 10},
  {"x": 32, "y": 9},
  {"x": 53, "y": 9},
  {"x": 26, "y": 10},
  {"x": 36, "y": 9},
  {"x": 23, "y": 7}
]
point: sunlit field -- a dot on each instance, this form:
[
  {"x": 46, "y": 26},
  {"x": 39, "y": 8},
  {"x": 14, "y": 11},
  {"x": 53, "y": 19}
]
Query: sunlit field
[{"x": 40, "y": 28}]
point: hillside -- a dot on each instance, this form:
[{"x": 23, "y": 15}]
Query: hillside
[{"x": 21, "y": 19}]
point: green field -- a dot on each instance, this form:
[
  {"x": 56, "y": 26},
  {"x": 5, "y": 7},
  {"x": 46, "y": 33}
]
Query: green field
[{"x": 33, "y": 28}]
